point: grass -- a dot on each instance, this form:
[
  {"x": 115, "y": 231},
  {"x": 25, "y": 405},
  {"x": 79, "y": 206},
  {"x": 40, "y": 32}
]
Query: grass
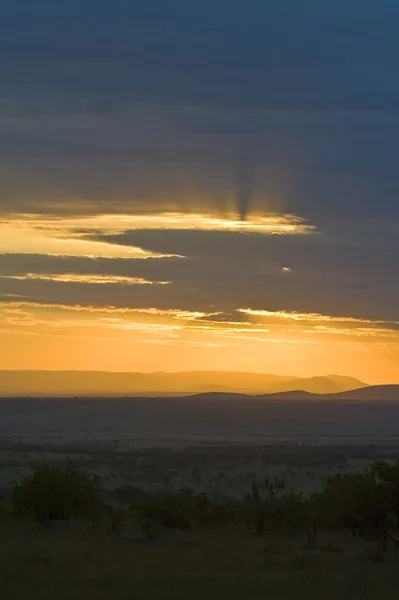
[{"x": 65, "y": 562}]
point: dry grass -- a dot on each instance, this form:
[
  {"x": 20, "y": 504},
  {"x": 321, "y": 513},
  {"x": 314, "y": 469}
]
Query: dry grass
[{"x": 65, "y": 563}]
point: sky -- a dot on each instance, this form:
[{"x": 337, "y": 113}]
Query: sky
[{"x": 200, "y": 185}]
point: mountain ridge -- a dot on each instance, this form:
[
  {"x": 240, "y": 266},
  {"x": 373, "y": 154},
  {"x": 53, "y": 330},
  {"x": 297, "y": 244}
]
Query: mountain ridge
[{"x": 102, "y": 383}]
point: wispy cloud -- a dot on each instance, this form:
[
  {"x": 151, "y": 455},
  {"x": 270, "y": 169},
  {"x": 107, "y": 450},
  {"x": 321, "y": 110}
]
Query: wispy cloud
[
  {"x": 78, "y": 308},
  {"x": 316, "y": 317},
  {"x": 82, "y": 278},
  {"x": 57, "y": 237},
  {"x": 284, "y": 224},
  {"x": 371, "y": 332}
]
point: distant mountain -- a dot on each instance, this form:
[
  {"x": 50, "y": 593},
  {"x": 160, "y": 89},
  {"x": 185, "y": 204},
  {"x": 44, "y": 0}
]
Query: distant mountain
[
  {"x": 292, "y": 395},
  {"x": 369, "y": 393},
  {"x": 329, "y": 384},
  {"x": 365, "y": 394},
  {"x": 98, "y": 383}
]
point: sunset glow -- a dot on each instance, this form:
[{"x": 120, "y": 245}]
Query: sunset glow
[
  {"x": 209, "y": 223},
  {"x": 151, "y": 329},
  {"x": 76, "y": 336}
]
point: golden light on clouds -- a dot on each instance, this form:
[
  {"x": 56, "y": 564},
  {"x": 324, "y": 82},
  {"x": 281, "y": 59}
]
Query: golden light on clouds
[
  {"x": 55, "y": 238},
  {"x": 75, "y": 236},
  {"x": 297, "y": 316},
  {"x": 256, "y": 223},
  {"x": 16, "y": 305},
  {"x": 83, "y": 278},
  {"x": 114, "y": 223}
]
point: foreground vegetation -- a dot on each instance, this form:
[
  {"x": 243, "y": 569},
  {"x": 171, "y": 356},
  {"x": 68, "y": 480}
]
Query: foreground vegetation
[{"x": 60, "y": 535}]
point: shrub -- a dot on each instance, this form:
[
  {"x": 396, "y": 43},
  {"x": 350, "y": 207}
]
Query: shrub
[
  {"x": 5, "y": 511},
  {"x": 361, "y": 504},
  {"x": 182, "y": 510},
  {"x": 271, "y": 507},
  {"x": 388, "y": 475},
  {"x": 165, "y": 511},
  {"x": 128, "y": 494},
  {"x": 55, "y": 494}
]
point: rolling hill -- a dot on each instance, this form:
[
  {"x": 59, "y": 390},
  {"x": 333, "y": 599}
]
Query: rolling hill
[
  {"x": 373, "y": 392},
  {"x": 369, "y": 393}
]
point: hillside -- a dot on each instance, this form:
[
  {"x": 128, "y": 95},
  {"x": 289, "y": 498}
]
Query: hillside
[
  {"x": 369, "y": 393},
  {"x": 97, "y": 383},
  {"x": 373, "y": 392},
  {"x": 330, "y": 384}
]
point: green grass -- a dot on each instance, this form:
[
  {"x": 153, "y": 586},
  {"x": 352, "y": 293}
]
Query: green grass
[{"x": 76, "y": 562}]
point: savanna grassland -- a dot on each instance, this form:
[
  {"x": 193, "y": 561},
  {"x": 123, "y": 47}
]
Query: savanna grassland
[
  {"x": 161, "y": 501},
  {"x": 150, "y": 553}
]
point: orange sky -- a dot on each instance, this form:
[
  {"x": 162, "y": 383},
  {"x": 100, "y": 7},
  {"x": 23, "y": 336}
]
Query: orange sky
[{"x": 38, "y": 330}]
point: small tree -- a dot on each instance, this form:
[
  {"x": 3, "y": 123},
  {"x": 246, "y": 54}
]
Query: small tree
[
  {"x": 161, "y": 511},
  {"x": 181, "y": 510},
  {"x": 360, "y": 503},
  {"x": 56, "y": 494},
  {"x": 271, "y": 507},
  {"x": 388, "y": 474},
  {"x": 128, "y": 494}
]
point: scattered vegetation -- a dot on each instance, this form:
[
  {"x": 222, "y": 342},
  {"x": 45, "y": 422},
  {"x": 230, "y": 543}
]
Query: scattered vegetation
[
  {"x": 362, "y": 504},
  {"x": 354, "y": 509}
]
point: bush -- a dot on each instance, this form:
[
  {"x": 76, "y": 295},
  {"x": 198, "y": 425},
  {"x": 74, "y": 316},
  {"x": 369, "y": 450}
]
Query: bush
[
  {"x": 165, "y": 510},
  {"x": 181, "y": 510},
  {"x": 5, "y": 511},
  {"x": 358, "y": 502},
  {"x": 128, "y": 494},
  {"x": 388, "y": 475},
  {"x": 55, "y": 494},
  {"x": 271, "y": 507}
]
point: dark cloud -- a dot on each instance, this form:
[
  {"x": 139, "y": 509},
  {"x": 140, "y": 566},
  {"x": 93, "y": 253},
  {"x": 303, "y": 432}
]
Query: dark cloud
[
  {"x": 307, "y": 55},
  {"x": 317, "y": 165}
]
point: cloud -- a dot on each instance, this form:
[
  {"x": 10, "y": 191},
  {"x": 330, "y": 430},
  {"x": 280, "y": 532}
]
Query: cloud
[
  {"x": 321, "y": 166},
  {"x": 80, "y": 278},
  {"x": 72, "y": 229},
  {"x": 223, "y": 54},
  {"x": 58, "y": 238},
  {"x": 295, "y": 316},
  {"x": 173, "y": 313}
]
